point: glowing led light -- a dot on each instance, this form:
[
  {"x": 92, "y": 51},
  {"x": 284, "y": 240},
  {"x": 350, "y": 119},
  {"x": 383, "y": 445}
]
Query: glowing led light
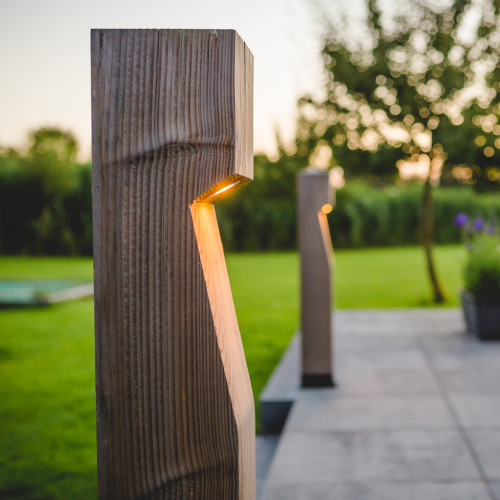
[
  {"x": 225, "y": 188},
  {"x": 326, "y": 208},
  {"x": 214, "y": 197}
]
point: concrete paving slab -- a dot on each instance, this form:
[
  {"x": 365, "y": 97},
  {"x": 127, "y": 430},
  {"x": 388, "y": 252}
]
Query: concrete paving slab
[
  {"x": 456, "y": 342},
  {"x": 486, "y": 443},
  {"x": 495, "y": 485},
  {"x": 325, "y": 410},
  {"x": 353, "y": 342},
  {"x": 435, "y": 322},
  {"x": 460, "y": 353},
  {"x": 379, "y": 327},
  {"x": 477, "y": 410},
  {"x": 387, "y": 383},
  {"x": 380, "y": 360},
  {"x": 415, "y": 414},
  {"x": 373, "y": 323},
  {"x": 472, "y": 382},
  {"x": 409, "y": 455},
  {"x": 380, "y": 491},
  {"x": 399, "y": 322},
  {"x": 364, "y": 369}
]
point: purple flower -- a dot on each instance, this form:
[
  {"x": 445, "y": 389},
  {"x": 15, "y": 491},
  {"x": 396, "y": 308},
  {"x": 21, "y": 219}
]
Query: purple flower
[
  {"x": 490, "y": 229},
  {"x": 461, "y": 219},
  {"x": 478, "y": 224}
]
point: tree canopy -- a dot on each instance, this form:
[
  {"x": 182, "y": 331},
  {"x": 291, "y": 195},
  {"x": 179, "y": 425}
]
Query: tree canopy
[
  {"x": 45, "y": 196},
  {"x": 410, "y": 81}
]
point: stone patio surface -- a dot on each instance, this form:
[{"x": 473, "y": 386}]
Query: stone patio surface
[{"x": 415, "y": 414}]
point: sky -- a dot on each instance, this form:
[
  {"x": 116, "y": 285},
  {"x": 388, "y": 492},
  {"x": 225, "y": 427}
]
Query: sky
[{"x": 45, "y": 58}]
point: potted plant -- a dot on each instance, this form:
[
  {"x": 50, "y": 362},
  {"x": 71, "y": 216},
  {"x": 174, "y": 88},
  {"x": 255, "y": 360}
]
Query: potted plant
[{"x": 481, "y": 294}]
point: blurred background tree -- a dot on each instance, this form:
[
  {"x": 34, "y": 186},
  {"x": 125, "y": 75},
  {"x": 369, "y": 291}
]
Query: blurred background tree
[
  {"x": 45, "y": 197},
  {"x": 413, "y": 84},
  {"x": 263, "y": 216}
]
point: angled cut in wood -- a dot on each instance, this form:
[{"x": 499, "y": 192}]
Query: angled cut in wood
[
  {"x": 172, "y": 133},
  {"x": 315, "y": 200}
]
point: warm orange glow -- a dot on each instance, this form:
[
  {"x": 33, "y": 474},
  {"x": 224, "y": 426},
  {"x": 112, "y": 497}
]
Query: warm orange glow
[
  {"x": 213, "y": 197},
  {"x": 225, "y": 322},
  {"x": 326, "y": 208},
  {"x": 225, "y": 188},
  {"x": 221, "y": 189}
]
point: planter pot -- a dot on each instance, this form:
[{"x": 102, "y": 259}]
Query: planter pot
[{"x": 482, "y": 315}]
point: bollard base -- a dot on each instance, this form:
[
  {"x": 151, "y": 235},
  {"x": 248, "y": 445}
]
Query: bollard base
[{"x": 317, "y": 380}]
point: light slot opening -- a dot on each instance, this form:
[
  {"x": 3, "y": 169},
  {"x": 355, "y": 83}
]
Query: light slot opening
[
  {"x": 221, "y": 189},
  {"x": 326, "y": 208}
]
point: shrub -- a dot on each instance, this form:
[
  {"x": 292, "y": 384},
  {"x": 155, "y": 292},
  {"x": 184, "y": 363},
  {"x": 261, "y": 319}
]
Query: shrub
[
  {"x": 482, "y": 270},
  {"x": 46, "y": 206},
  {"x": 45, "y": 198}
]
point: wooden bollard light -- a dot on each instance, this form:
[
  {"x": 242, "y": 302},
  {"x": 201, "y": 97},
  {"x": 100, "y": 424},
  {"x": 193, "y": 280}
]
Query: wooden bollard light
[
  {"x": 315, "y": 200},
  {"x": 172, "y": 134}
]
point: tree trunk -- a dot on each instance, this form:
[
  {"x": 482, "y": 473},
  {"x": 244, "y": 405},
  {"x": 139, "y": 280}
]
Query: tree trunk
[{"x": 428, "y": 237}]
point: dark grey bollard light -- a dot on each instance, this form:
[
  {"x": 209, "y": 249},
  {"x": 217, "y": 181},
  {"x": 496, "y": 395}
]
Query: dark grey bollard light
[{"x": 315, "y": 200}]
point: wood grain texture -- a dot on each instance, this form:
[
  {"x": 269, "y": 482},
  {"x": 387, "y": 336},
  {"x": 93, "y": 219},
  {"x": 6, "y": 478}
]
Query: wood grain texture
[
  {"x": 172, "y": 123},
  {"x": 314, "y": 191}
]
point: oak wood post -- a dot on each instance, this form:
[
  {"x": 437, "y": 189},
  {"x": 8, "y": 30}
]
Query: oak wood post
[
  {"x": 315, "y": 199},
  {"x": 172, "y": 133}
]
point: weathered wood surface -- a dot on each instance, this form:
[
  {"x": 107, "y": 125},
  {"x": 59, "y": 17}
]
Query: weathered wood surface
[
  {"x": 172, "y": 125},
  {"x": 315, "y": 197}
]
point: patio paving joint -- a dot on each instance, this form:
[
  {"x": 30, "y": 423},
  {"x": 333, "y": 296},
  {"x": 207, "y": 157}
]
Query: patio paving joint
[{"x": 456, "y": 417}]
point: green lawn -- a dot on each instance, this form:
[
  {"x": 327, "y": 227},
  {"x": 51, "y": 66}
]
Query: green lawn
[
  {"x": 395, "y": 277},
  {"x": 47, "y": 414}
]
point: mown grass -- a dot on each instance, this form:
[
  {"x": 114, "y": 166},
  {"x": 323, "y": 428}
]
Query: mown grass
[
  {"x": 395, "y": 277},
  {"x": 47, "y": 410}
]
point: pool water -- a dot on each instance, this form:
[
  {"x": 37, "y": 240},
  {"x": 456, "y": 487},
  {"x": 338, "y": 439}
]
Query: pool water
[{"x": 30, "y": 292}]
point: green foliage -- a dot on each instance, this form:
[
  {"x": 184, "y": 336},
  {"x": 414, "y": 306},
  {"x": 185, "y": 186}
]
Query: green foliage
[
  {"x": 46, "y": 206},
  {"x": 262, "y": 215},
  {"x": 45, "y": 198},
  {"x": 417, "y": 80},
  {"x": 364, "y": 216},
  {"x": 368, "y": 216},
  {"x": 482, "y": 270}
]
